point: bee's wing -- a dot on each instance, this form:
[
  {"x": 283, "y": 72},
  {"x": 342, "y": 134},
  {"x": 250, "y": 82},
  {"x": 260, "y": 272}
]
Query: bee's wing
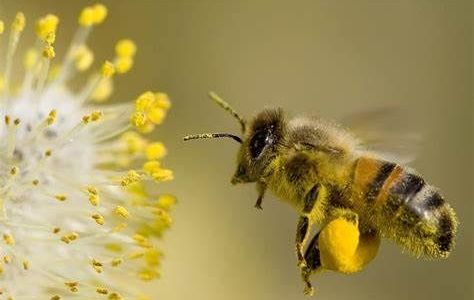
[{"x": 389, "y": 131}]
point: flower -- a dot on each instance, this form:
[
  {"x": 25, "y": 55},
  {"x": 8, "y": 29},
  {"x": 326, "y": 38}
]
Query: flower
[{"x": 79, "y": 215}]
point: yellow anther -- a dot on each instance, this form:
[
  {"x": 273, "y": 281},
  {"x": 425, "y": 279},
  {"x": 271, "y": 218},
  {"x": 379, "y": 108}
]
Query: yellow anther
[
  {"x": 116, "y": 262},
  {"x": 86, "y": 119},
  {"x": 55, "y": 297},
  {"x": 46, "y": 28},
  {"x": 162, "y": 101},
  {"x": 155, "y": 151},
  {"x": 125, "y": 48},
  {"x": 86, "y": 18},
  {"x": 94, "y": 200},
  {"x": 2, "y": 27},
  {"x": 69, "y": 237},
  {"x": 124, "y": 64},
  {"x": 166, "y": 201},
  {"x": 72, "y": 285},
  {"x": 134, "y": 142},
  {"x": 156, "y": 115},
  {"x": 30, "y": 59},
  {"x": 7, "y": 120},
  {"x": 60, "y": 197},
  {"x": 83, "y": 58},
  {"x": 48, "y": 153},
  {"x": 26, "y": 265},
  {"x": 141, "y": 240},
  {"x": 51, "y": 117},
  {"x": 114, "y": 296},
  {"x": 8, "y": 239},
  {"x": 122, "y": 212},
  {"x": 18, "y": 23},
  {"x": 1, "y": 271},
  {"x": 92, "y": 190},
  {"x": 7, "y": 259},
  {"x": 48, "y": 52},
  {"x": 138, "y": 119},
  {"x": 56, "y": 230},
  {"x": 97, "y": 265},
  {"x": 16, "y": 122},
  {"x": 102, "y": 291},
  {"x": 151, "y": 167},
  {"x": 163, "y": 175},
  {"x": 147, "y": 275},
  {"x": 100, "y": 13},
  {"x": 96, "y": 116},
  {"x": 99, "y": 219},
  {"x": 145, "y": 101},
  {"x": 14, "y": 170},
  {"x": 131, "y": 177},
  {"x": 108, "y": 69},
  {"x": 152, "y": 257}
]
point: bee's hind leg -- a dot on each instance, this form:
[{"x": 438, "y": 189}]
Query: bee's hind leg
[{"x": 312, "y": 258}]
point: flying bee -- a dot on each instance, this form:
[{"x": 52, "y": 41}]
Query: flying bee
[{"x": 325, "y": 173}]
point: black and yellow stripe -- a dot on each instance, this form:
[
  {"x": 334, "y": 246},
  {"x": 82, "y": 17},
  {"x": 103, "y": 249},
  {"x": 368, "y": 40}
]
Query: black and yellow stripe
[{"x": 404, "y": 207}]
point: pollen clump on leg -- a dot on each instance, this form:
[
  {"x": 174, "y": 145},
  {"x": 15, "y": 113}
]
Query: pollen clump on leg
[{"x": 76, "y": 218}]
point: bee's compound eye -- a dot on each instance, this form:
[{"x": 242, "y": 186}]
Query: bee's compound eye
[{"x": 259, "y": 141}]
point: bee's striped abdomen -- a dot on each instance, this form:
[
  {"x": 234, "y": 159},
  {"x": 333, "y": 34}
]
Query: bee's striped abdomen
[{"x": 404, "y": 207}]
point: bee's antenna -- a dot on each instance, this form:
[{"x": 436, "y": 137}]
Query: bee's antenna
[
  {"x": 211, "y": 136},
  {"x": 228, "y": 108}
]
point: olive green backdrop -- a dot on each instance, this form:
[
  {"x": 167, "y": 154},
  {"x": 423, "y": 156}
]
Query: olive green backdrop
[{"x": 327, "y": 57}]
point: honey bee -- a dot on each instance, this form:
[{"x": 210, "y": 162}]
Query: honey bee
[{"x": 325, "y": 173}]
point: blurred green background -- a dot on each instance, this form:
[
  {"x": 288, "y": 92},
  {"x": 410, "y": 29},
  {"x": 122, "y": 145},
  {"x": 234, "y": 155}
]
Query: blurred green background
[{"x": 330, "y": 58}]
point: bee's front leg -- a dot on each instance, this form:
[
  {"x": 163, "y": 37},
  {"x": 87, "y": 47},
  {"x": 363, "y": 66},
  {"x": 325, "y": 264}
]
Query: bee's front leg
[{"x": 261, "y": 188}]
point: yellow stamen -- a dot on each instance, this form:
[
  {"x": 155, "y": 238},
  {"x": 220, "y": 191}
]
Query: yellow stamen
[{"x": 18, "y": 23}]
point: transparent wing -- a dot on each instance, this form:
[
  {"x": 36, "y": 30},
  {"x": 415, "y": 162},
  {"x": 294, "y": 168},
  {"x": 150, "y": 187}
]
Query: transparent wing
[{"x": 389, "y": 131}]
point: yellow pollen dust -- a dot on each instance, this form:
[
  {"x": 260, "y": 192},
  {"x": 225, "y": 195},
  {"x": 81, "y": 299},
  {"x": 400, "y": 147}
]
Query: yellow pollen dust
[{"x": 69, "y": 237}]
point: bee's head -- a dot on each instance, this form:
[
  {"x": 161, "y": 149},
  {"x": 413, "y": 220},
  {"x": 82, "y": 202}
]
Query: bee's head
[{"x": 259, "y": 143}]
